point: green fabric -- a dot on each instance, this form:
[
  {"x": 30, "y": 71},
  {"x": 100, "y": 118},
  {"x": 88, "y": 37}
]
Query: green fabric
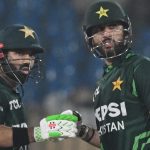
[
  {"x": 122, "y": 103},
  {"x": 11, "y": 110},
  {"x": 55, "y": 134},
  {"x": 101, "y": 147},
  {"x": 37, "y": 134},
  {"x": 62, "y": 117},
  {"x": 134, "y": 91},
  {"x": 139, "y": 138}
]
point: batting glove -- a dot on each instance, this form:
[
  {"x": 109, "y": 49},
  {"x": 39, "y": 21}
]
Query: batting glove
[
  {"x": 56, "y": 126},
  {"x": 69, "y": 112},
  {"x": 83, "y": 131},
  {"x": 78, "y": 115}
]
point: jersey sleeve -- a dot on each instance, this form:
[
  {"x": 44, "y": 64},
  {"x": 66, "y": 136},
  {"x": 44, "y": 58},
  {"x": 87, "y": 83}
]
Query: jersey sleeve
[{"x": 142, "y": 81}]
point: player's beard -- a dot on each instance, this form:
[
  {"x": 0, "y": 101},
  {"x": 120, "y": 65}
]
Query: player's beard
[
  {"x": 117, "y": 47},
  {"x": 16, "y": 74}
]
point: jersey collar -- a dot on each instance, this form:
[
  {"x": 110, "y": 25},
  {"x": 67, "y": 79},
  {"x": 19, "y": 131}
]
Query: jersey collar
[{"x": 118, "y": 62}]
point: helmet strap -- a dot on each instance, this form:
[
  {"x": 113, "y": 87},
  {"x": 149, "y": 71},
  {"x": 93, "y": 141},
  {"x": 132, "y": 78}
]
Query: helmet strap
[{"x": 12, "y": 73}]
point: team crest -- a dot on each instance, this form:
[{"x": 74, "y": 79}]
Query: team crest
[
  {"x": 117, "y": 84},
  {"x": 28, "y": 32},
  {"x": 102, "y": 12}
]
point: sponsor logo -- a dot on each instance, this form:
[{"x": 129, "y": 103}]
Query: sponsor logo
[
  {"x": 23, "y": 147},
  {"x": 112, "y": 110},
  {"x": 110, "y": 127},
  {"x": 22, "y": 125},
  {"x": 52, "y": 125},
  {"x": 14, "y": 104}
]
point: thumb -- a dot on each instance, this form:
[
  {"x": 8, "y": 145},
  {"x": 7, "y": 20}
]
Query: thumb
[{"x": 70, "y": 112}]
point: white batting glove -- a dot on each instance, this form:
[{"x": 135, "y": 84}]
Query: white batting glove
[
  {"x": 84, "y": 132},
  {"x": 75, "y": 113},
  {"x": 69, "y": 112},
  {"x": 56, "y": 126}
]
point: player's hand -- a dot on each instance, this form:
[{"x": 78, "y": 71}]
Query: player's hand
[
  {"x": 78, "y": 123},
  {"x": 75, "y": 113},
  {"x": 82, "y": 130},
  {"x": 79, "y": 116},
  {"x": 56, "y": 126}
]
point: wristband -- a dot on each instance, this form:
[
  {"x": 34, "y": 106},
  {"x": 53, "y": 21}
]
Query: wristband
[
  {"x": 83, "y": 130},
  {"x": 20, "y": 136},
  {"x": 86, "y": 133}
]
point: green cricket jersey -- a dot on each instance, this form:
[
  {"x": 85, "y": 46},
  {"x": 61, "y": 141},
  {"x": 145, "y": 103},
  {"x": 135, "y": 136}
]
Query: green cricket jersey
[
  {"x": 122, "y": 104},
  {"x": 11, "y": 110}
]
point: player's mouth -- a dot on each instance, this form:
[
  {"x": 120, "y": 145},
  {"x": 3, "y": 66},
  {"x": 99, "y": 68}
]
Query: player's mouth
[
  {"x": 25, "y": 70},
  {"x": 107, "y": 44}
]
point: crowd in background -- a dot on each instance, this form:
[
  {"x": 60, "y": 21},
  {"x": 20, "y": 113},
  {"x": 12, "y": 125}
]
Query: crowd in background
[{"x": 70, "y": 71}]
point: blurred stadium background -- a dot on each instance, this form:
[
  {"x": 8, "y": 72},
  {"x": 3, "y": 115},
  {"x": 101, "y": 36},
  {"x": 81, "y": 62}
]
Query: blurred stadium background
[{"x": 70, "y": 70}]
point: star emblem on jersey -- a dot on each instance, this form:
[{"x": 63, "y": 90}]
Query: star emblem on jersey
[
  {"x": 102, "y": 12},
  {"x": 117, "y": 84},
  {"x": 28, "y": 32}
]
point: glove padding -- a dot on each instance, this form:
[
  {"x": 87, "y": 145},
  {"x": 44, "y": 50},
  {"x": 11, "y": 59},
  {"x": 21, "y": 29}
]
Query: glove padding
[
  {"x": 75, "y": 113},
  {"x": 56, "y": 126},
  {"x": 69, "y": 112},
  {"x": 82, "y": 130}
]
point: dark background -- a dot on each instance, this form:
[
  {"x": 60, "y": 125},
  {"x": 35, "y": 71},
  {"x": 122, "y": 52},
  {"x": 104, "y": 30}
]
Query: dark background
[{"x": 70, "y": 70}]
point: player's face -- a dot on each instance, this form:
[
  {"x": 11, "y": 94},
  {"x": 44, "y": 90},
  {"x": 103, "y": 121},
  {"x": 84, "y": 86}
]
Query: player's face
[
  {"x": 108, "y": 38},
  {"x": 21, "y": 61}
]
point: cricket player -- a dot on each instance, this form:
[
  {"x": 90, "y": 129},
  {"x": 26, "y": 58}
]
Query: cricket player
[
  {"x": 19, "y": 59},
  {"x": 122, "y": 96}
]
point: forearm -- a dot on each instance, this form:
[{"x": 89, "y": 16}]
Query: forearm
[
  {"x": 7, "y": 136},
  {"x": 89, "y": 135},
  {"x": 31, "y": 134},
  {"x": 14, "y": 137},
  {"x": 95, "y": 141}
]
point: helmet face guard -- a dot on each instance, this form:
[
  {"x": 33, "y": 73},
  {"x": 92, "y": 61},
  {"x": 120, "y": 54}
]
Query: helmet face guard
[
  {"x": 35, "y": 70},
  {"x": 109, "y": 13},
  {"x": 20, "y": 38}
]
